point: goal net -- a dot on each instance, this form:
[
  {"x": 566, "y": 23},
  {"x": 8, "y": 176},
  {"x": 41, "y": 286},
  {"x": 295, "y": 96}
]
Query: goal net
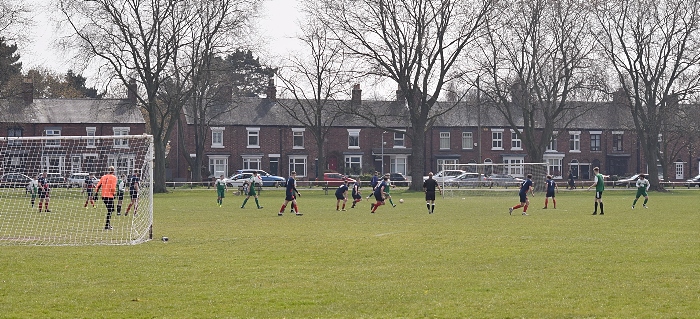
[
  {"x": 71, "y": 165},
  {"x": 475, "y": 179}
]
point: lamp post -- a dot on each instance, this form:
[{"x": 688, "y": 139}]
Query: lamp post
[{"x": 382, "y": 170}]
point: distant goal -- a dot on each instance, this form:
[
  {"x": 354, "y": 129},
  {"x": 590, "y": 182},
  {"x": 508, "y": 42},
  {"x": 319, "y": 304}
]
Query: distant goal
[
  {"x": 71, "y": 219},
  {"x": 487, "y": 178}
]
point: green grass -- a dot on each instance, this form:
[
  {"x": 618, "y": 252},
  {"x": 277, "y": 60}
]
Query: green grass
[{"x": 468, "y": 260}]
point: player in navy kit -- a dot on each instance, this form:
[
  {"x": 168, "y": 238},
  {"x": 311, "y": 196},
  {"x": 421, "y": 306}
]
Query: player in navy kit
[
  {"x": 341, "y": 194},
  {"x": 89, "y": 187},
  {"x": 525, "y": 187},
  {"x": 380, "y": 194},
  {"x": 356, "y": 196},
  {"x": 134, "y": 187},
  {"x": 44, "y": 192},
  {"x": 291, "y": 194},
  {"x": 551, "y": 188}
]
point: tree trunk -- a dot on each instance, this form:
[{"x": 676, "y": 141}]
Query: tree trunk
[
  {"x": 159, "y": 168},
  {"x": 417, "y": 161}
]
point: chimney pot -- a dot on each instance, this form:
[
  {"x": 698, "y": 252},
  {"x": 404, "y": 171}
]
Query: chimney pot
[
  {"x": 356, "y": 95},
  {"x": 271, "y": 90},
  {"x": 28, "y": 91},
  {"x": 131, "y": 91}
]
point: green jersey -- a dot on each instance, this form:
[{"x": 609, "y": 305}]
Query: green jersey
[
  {"x": 220, "y": 185},
  {"x": 599, "y": 183}
]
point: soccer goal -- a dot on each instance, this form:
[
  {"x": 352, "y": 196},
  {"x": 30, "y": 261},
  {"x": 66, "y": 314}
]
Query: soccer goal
[
  {"x": 72, "y": 164},
  {"x": 487, "y": 178}
]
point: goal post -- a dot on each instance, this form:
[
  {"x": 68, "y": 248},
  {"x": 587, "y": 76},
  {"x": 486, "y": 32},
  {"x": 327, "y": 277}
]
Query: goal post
[
  {"x": 67, "y": 215},
  {"x": 492, "y": 177}
]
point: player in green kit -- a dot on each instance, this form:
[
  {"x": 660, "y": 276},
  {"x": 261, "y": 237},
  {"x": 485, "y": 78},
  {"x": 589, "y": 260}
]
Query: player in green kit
[
  {"x": 599, "y": 188},
  {"x": 252, "y": 181},
  {"x": 220, "y": 190},
  {"x": 642, "y": 188},
  {"x": 33, "y": 188},
  {"x": 387, "y": 189}
]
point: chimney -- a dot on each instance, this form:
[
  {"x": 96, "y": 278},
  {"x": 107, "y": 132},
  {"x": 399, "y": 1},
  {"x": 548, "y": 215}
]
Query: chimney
[
  {"x": 356, "y": 95},
  {"x": 400, "y": 96},
  {"x": 271, "y": 90},
  {"x": 224, "y": 94},
  {"x": 28, "y": 91},
  {"x": 620, "y": 98},
  {"x": 131, "y": 91}
]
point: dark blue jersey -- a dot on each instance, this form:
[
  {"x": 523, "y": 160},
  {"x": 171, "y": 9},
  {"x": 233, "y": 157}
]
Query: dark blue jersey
[
  {"x": 374, "y": 181},
  {"x": 356, "y": 188},
  {"x": 341, "y": 190},
  {"x": 43, "y": 185},
  {"x": 550, "y": 185},
  {"x": 525, "y": 186},
  {"x": 291, "y": 186},
  {"x": 89, "y": 183},
  {"x": 133, "y": 183},
  {"x": 380, "y": 186}
]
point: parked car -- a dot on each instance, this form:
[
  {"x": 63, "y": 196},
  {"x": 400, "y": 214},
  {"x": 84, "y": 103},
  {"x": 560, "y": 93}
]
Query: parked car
[
  {"x": 237, "y": 180},
  {"x": 398, "y": 179},
  {"x": 78, "y": 180},
  {"x": 630, "y": 181},
  {"x": 504, "y": 180},
  {"x": 446, "y": 174},
  {"x": 693, "y": 182},
  {"x": 56, "y": 180},
  {"x": 267, "y": 178},
  {"x": 14, "y": 180},
  {"x": 336, "y": 179},
  {"x": 467, "y": 180}
]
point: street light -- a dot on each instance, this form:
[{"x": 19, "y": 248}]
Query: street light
[{"x": 383, "y": 153}]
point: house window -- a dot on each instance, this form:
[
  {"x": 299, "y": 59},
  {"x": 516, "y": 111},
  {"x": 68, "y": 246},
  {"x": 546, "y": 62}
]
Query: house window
[
  {"x": 575, "y": 141},
  {"x": 554, "y": 167},
  {"x": 298, "y": 164},
  {"x": 444, "y": 140},
  {"x": 617, "y": 142},
  {"x": 497, "y": 139},
  {"x": 680, "y": 170},
  {"x": 218, "y": 165},
  {"x": 398, "y": 164},
  {"x": 514, "y": 166},
  {"x": 353, "y": 164},
  {"x": 443, "y": 164},
  {"x": 90, "y": 131},
  {"x": 515, "y": 142},
  {"x": 252, "y": 162},
  {"x": 53, "y": 131},
  {"x": 14, "y": 132},
  {"x": 595, "y": 141},
  {"x": 298, "y": 138},
  {"x": 253, "y": 137},
  {"x": 353, "y": 139},
  {"x": 217, "y": 137},
  {"x": 552, "y": 146},
  {"x": 467, "y": 140},
  {"x": 399, "y": 139},
  {"x": 121, "y": 142}
]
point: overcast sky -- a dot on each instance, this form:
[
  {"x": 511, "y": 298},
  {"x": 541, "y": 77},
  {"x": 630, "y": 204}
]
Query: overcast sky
[{"x": 278, "y": 25}]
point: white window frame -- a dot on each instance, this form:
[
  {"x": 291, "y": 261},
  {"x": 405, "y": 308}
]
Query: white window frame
[
  {"x": 467, "y": 140},
  {"x": 399, "y": 140},
  {"x": 353, "y": 160},
  {"x": 222, "y": 168},
  {"x": 90, "y": 142},
  {"x": 516, "y": 144},
  {"x": 217, "y": 137},
  {"x": 52, "y": 131},
  {"x": 252, "y": 161},
  {"x": 296, "y": 161},
  {"x": 356, "y": 134},
  {"x": 399, "y": 164},
  {"x": 121, "y": 142},
  {"x": 497, "y": 139},
  {"x": 621, "y": 135},
  {"x": 555, "y": 162},
  {"x": 514, "y": 165},
  {"x": 600, "y": 140},
  {"x": 552, "y": 146},
  {"x": 444, "y": 140},
  {"x": 298, "y": 133},
  {"x": 252, "y": 132},
  {"x": 575, "y": 139},
  {"x": 450, "y": 162}
]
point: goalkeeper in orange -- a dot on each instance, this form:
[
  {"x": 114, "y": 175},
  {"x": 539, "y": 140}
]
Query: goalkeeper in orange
[{"x": 108, "y": 184}]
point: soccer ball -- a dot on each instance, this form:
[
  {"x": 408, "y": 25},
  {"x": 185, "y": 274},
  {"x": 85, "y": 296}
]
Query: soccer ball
[{"x": 401, "y": 200}]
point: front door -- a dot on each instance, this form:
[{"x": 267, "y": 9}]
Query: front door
[{"x": 333, "y": 163}]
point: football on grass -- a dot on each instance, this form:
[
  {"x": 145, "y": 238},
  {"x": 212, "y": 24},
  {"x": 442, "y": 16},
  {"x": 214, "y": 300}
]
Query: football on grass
[{"x": 401, "y": 200}]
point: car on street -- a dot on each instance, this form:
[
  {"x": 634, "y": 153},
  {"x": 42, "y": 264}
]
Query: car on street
[
  {"x": 78, "y": 180},
  {"x": 56, "y": 180},
  {"x": 693, "y": 182},
  {"x": 268, "y": 179},
  {"x": 237, "y": 180},
  {"x": 631, "y": 181},
  {"x": 504, "y": 180},
  {"x": 467, "y": 180},
  {"x": 398, "y": 179},
  {"x": 332, "y": 179},
  {"x": 446, "y": 174},
  {"x": 14, "y": 180}
]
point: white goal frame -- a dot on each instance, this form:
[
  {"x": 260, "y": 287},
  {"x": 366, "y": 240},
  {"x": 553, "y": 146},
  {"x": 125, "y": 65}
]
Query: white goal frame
[
  {"x": 517, "y": 170},
  {"x": 68, "y": 222}
]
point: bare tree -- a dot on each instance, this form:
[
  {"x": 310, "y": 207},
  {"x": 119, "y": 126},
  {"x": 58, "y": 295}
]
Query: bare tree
[
  {"x": 654, "y": 49},
  {"x": 417, "y": 44},
  {"x": 14, "y": 16},
  {"x": 152, "y": 42},
  {"x": 316, "y": 80},
  {"x": 535, "y": 59}
]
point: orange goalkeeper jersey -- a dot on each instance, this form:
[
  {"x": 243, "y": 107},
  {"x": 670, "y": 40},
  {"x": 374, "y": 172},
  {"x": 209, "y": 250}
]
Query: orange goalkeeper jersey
[{"x": 108, "y": 184}]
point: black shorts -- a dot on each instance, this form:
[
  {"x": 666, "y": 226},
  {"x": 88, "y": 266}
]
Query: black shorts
[
  {"x": 357, "y": 196},
  {"x": 290, "y": 197},
  {"x": 598, "y": 195},
  {"x": 134, "y": 195},
  {"x": 43, "y": 195},
  {"x": 523, "y": 197},
  {"x": 339, "y": 197},
  {"x": 109, "y": 202},
  {"x": 430, "y": 195},
  {"x": 120, "y": 195},
  {"x": 550, "y": 194},
  {"x": 378, "y": 197}
]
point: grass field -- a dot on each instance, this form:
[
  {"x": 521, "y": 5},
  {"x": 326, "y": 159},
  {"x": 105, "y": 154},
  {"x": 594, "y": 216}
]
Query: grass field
[{"x": 468, "y": 260}]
